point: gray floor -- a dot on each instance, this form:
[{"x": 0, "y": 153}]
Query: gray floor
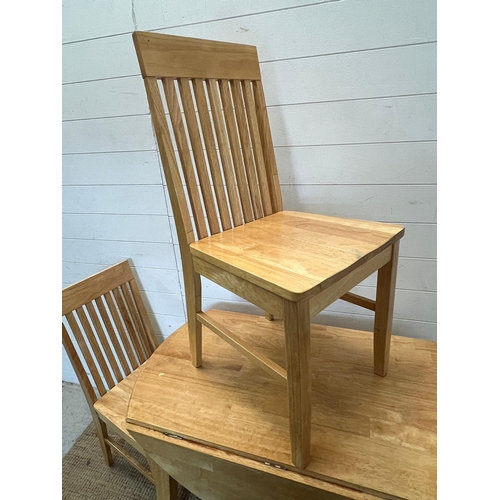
[{"x": 75, "y": 415}]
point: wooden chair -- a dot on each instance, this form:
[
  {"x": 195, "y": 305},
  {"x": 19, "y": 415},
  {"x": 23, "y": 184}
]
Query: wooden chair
[
  {"x": 290, "y": 264},
  {"x": 112, "y": 330}
]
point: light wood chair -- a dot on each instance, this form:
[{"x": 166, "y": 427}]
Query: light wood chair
[
  {"x": 109, "y": 324},
  {"x": 290, "y": 264}
]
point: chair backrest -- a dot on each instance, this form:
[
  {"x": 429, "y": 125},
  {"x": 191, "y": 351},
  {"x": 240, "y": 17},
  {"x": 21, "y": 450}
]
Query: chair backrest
[
  {"x": 109, "y": 323},
  {"x": 216, "y": 115}
]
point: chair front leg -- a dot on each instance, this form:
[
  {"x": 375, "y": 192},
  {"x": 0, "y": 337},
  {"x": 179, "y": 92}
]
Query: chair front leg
[
  {"x": 296, "y": 316},
  {"x": 192, "y": 284},
  {"x": 102, "y": 434},
  {"x": 384, "y": 309}
]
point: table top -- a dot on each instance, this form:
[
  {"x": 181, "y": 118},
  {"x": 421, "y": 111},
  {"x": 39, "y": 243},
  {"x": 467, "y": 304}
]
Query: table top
[{"x": 374, "y": 434}]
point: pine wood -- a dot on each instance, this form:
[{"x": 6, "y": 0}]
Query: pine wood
[
  {"x": 198, "y": 154},
  {"x": 297, "y": 255},
  {"x": 359, "y": 300},
  {"x": 184, "y": 155},
  {"x": 384, "y": 307},
  {"x": 222, "y": 140},
  {"x": 232, "y": 132},
  {"x": 280, "y": 261},
  {"x": 246, "y": 349},
  {"x": 370, "y": 434},
  {"x": 241, "y": 120},
  {"x": 164, "y": 56},
  {"x": 268, "y": 148},
  {"x": 115, "y": 283},
  {"x": 217, "y": 475},
  {"x": 211, "y": 150},
  {"x": 257, "y": 147},
  {"x": 297, "y": 326}
]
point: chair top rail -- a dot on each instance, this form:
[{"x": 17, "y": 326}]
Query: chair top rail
[{"x": 94, "y": 286}]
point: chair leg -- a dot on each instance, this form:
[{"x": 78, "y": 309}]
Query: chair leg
[
  {"x": 192, "y": 283},
  {"x": 102, "y": 434},
  {"x": 166, "y": 485},
  {"x": 384, "y": 308},
  {"x": 297, "y": 325},
  {"x": 269, "y": 316}
]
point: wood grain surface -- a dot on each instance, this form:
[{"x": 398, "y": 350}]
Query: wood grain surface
[{"x": 374, "y": 434}]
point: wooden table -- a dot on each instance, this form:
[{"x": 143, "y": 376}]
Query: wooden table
[{"x": 372, "y": 437}]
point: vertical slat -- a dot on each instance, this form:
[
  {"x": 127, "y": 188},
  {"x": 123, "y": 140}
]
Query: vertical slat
[
  {"x": 185, "y": 157},
  {"x": 129, "y": 325},
  {"x": 235, "y": 150},
  {"x": 86, "y": 353},
  {"x": 139, "y": 327},
  {"x": 220, "y": 132},
  {"x": 121, "y": 331},
  {"x": 77, "y": 365},
  {"x": 126, "y": 367},
  {"x": 143, "y": 314},
  {"x": 169, "y": 162},
  {"x": 268, "y": 148},
  {"x": 247, "y": 150},
  {"x": 104, "y": 341},
  {"x": 208, "y": 136},
  {"x": 199, "y": 155},
  {"x": 103, "y": 365},
  {"x": 257, "y": 147}
]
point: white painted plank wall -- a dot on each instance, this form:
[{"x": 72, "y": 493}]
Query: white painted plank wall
[{"x": 355, "y": 136}]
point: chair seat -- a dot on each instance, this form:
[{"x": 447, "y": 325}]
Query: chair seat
[
  {"x": 113, "y": 406},
  {"x": 294, "y": 254}
]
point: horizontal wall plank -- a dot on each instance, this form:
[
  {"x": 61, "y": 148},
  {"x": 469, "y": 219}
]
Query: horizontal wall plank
[
  {"x": 104, "y": 98},
  {"x": 157, "y": 14},
  {"x": 386, "y": 72},
  {"x": 82, "y": 20},
  {"x": 148, "y": 279},
  {"x": 137, "y": 167},
  {"x": 355, "y": 75},
  {"x": 325, "y": 28},
  {"x": 408, "y": 304},
  {"x": 165, "y": 325},
  {"x": 413, "y": 274},
  {"x": 390, "y": 163},
  {"x": 140, "y": 228},
  {"x": 126, "y": 199},
  {"x": 371, "y": 202},
  {"x": 308, "y": 31},
  {"x": 168, "y": 304},
  {"x": 404, "y": 328},
  {"x": 411, "y": 118},
  {"x": 105, "y": 135},
  {"x": 109, "y": 57},
  {"x": 141, "y": 254},
  {"x": 420, "y": 240}
]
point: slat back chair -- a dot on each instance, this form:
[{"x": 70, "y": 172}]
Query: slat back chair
[
  {"x": 111, "y": 331},
  {"x": 217, "y": 153}
]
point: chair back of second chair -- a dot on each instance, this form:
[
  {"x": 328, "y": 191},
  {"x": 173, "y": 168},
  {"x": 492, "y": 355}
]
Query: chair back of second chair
[{"x": 110, "y": 326}]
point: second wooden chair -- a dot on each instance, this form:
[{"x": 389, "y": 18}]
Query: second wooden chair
[{"x": 111, "y": 329}]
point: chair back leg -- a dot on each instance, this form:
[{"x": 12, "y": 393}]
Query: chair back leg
[{"x": 192, "y": 285}]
